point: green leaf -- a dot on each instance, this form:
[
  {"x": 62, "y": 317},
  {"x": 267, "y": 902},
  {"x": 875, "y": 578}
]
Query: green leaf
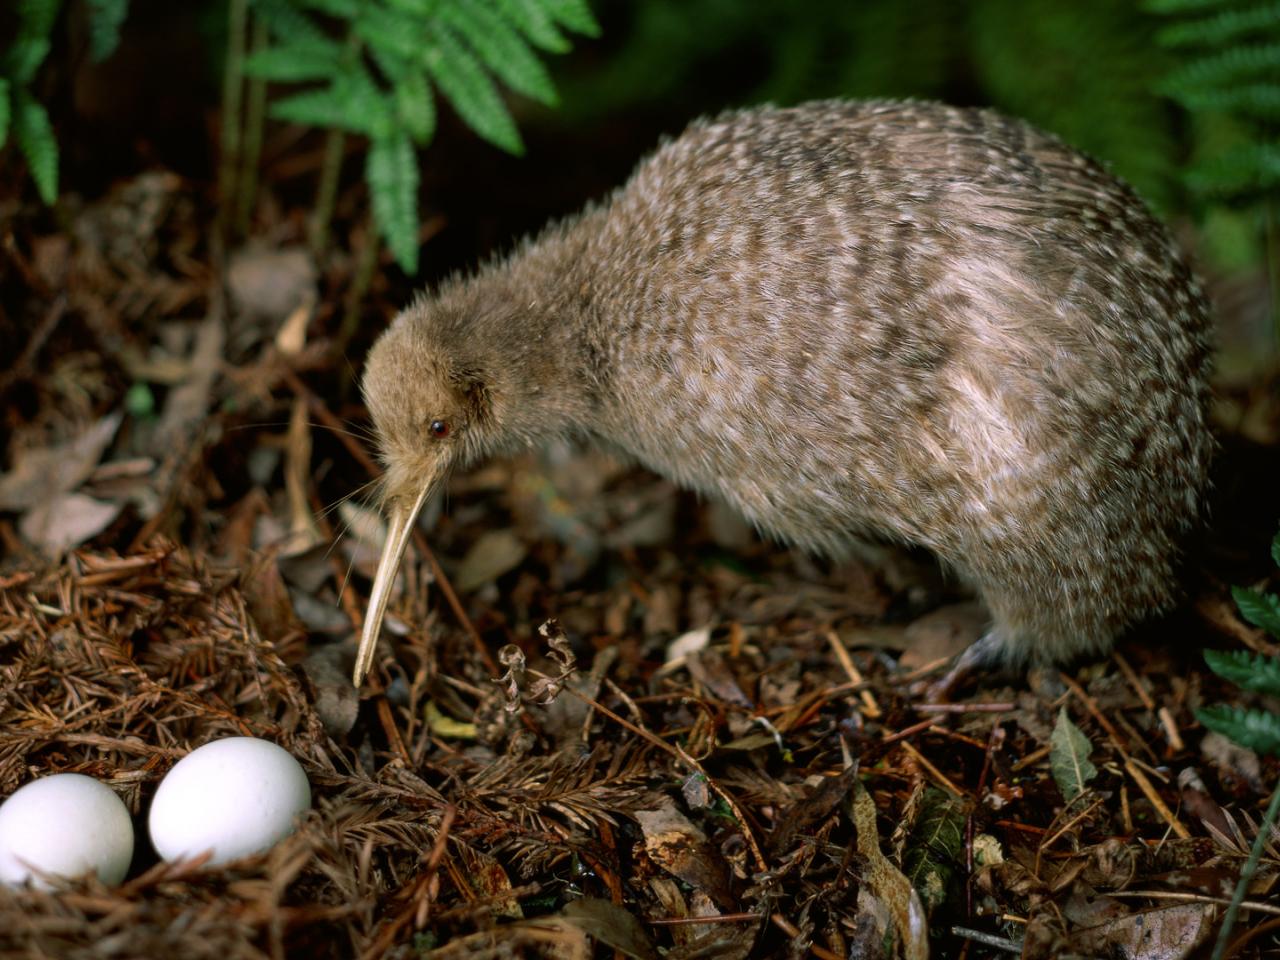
[
  {"x": 294, "y": 62},
  {"x": 416, "y": 106},
  {"x": 462, "y": 79},
  {"x": 31, "y": 42},
  {"x": 391, "y": 171},
  {"x": 574, "y": 14},
  {"x": 352, "y": 102},
  {"x": 4, "y": 111},
  {"x": 106, "y": 17},
  {"x": 1184, "y": 6},
  {"x": 1260, "y": 609},
  {"x": 288, "y": 24},
  {"x": 1228, "y": 66},
  {"x": 501, "y": 50},
  {"x": 420, "y": 9},
  {"x": 535, "y": 23},
  {"x": 1229, "y": 25},
  {"x": 1250, "y": 671},
  {"x": 394, "y": 32},
  {"x": 1069, "y": 751},
  {"x": 23, "y": 59},
  {"x": 935, "y": 848},
  {"x": 1254, "y": 99},
  {"x": 1256, "y": 729},
  {"x": 342, "y": 9},
  {"x": 1275, "y": 550},
  {"x": 37, "y": 17},
  {"x": 34, "y": 136}
]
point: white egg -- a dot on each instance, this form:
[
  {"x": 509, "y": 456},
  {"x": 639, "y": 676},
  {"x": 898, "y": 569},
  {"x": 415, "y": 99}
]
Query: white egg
[
  {"x": 234, "y": 797},
  {"x": 65, "y": 825}
]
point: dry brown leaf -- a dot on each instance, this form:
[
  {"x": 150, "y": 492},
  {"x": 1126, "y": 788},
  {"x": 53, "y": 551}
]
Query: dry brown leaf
[
  {"x": 65, "y": 522},
  {"x": 495, "y": 553},
  {"x": 1165, "y": 933},
  {"x": 611, "y": 925},
  {"x": 886, "y": 882},
  {"x": 40, "y": 475},
  {"x": 674, "y": 843}
]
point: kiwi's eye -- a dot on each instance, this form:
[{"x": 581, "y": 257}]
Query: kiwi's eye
[{"x": 440, "y": 429}]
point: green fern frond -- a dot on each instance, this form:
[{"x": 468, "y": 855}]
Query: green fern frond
[
  {"x": 343, "y": 9},
  {"x": 1262, "y": 609},
  {"x": 391, "y": 170},
  {"x": 1261, "y": 100},
  {"x": 574, "y": 15},
  {"x": 415, "y": 106},
  {"x": 1184, "y": 6},
  {"x": 501, "y": 49},
  {"x": 36, "y": 17},
  {"x": 288, "y": 24},
  {"x": 352, "y": 102},
  {"x": 294, "y": 62},
  {"x": 1249, "y": 671},
  {"x": 463, "y": 80},
  {"x": 390, "y": 32},
  {"x": 1227, "y": 26},
  {"x": 531, "y": 19},
  {"x": 1259, "y": 730},
  {"x": 34, "y": 136},
  {"x": 31, "y": 42},
  {"x": 1275, "y": 549},
  {"x": 1229, "y": 66},
  {"x": 106, "y": 17},
  {"x": 4, "y": 111}
]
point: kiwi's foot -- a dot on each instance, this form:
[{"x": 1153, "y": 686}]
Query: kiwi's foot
[{"x": 984, "y": 656}]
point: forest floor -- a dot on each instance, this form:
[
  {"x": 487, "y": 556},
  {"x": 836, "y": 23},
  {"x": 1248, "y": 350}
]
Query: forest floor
[{"x": 605, "y": 719}]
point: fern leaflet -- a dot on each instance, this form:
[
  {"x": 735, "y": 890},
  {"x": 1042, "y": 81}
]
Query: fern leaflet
[
  {"x": 535, "y": 23},
  {"x": 463, "y": 80},
  {"x": 34, "y": 136},
  {"x": 501, "y": 49},
  {"x": 1230, "y": 25},
  {"x": 106, "y": 17},
  {"x": 1250, "y": 671},
  {"x": 391, "y": 171},
  {"x": 1259, "y": 730},
  {"x": 4, "y": 111}
]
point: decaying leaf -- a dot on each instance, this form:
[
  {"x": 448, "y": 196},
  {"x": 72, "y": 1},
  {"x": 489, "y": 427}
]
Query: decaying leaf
[
  {"x": 611, "y": 925},
  {"x": 495, "y": 553},
  {"x": 1069, "y": 758},
  {"x": 1165, "y": 933},
  {"x": 886, "y": 883},
  {"x": 336, "y": 700},
  {"x": 66, "y": 521},
  {"x": 443, "y": 725},
  {"x": 935, "y": 846},
  {"x": 674, "y": 843},
  {"x": 40, "y": 475}
]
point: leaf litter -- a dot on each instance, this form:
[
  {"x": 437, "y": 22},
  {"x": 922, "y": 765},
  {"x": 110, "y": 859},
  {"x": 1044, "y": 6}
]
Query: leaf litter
[{"x": 632, "y": 728}]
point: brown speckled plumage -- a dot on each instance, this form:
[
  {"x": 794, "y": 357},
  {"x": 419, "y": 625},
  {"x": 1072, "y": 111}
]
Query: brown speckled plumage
[{"x": 848, "y": 318}]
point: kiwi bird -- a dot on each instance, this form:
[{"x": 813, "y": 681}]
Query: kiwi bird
[{"x": 849, "y": 320}]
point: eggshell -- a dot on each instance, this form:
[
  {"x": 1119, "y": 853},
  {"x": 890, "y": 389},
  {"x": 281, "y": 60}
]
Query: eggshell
[
  {"x": 236, "y": 797},
  {"x": 65, "y": 825}
]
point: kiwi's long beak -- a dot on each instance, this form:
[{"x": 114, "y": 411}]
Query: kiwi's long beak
[{"x": 399, "y": 529}]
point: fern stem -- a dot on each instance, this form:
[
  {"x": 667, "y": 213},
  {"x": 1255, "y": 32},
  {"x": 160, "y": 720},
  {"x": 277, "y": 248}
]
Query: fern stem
[
  {"x": 1271, "y": 244},
  {"x": 335, "y": 145},
  {"x": 232, "y": 87},
  {"x": 254, "y": 121},
  {"x": 1246, "y": 875},
  {"x": 366, "y": 263}
]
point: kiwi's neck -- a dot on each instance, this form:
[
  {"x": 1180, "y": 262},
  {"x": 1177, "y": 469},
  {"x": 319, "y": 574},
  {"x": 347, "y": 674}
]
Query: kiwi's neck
[{"x": 528, "y": 328}]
